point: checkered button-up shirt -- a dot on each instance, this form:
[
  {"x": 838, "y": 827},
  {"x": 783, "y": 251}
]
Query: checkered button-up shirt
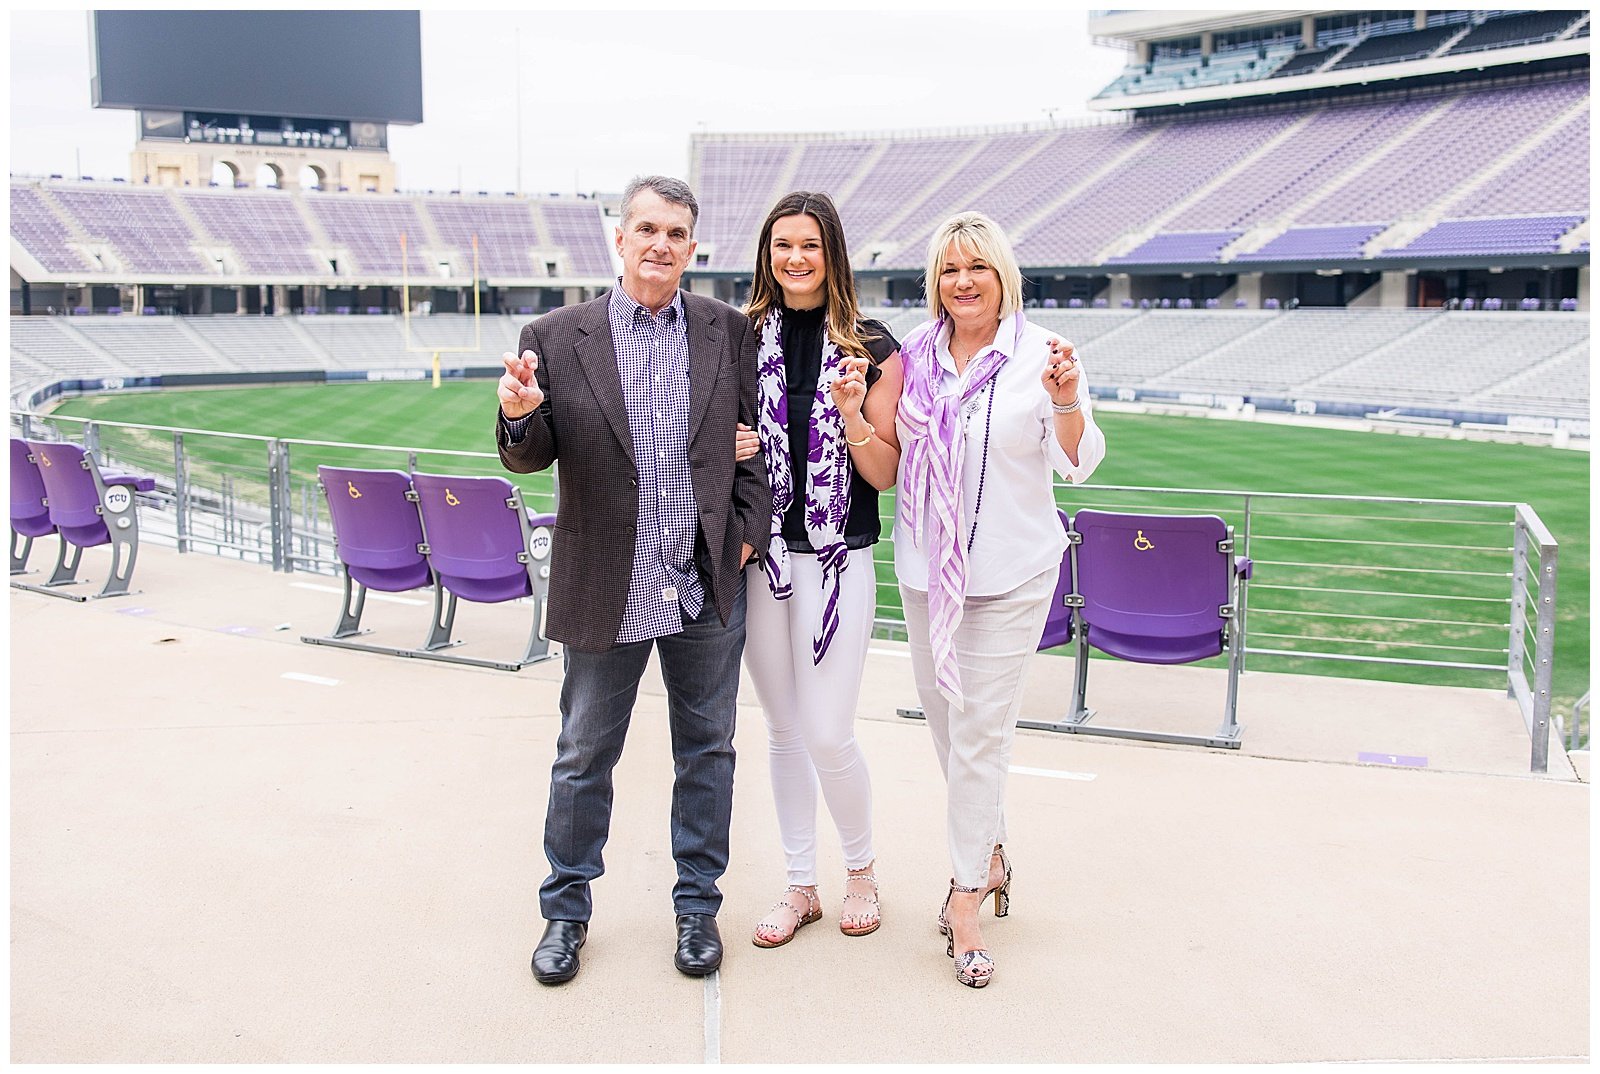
[{"x": 653, "y": 361}]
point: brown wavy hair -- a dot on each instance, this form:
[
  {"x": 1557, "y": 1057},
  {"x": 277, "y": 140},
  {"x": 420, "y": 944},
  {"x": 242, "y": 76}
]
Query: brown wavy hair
[{"x": 843, "y": 314}]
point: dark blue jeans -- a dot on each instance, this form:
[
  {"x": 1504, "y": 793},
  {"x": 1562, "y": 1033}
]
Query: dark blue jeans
[{"x": 700, "y": 666}]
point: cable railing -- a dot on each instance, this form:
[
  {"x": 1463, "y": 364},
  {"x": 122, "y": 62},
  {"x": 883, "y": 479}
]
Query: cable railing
[{"x": 1444, "y": 592}]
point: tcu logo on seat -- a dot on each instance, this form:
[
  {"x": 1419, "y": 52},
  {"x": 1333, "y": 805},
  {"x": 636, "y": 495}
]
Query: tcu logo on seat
[
  {"x": 539, "y": 542},
  {"x": 117, "y": 500}
]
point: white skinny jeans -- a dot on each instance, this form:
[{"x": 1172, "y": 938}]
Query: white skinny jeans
[
  {"x": 811, "y": 709},
  {"x": 994, "y": 640}
]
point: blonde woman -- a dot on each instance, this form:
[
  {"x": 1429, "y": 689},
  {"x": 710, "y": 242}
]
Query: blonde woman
[{"x": 991, "y": 407}]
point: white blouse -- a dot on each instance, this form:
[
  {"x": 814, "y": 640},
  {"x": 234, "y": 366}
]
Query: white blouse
[{"x": 1018, "y": 533}]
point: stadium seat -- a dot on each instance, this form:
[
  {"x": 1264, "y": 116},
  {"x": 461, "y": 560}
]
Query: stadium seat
[
  {"x": 382, "y": 543},
  {"x": 88, "y": 509},
  {"x": 1058, "y": 625},
  {"x": 30, "y": 517},
  {"x": 377, "y": 536},
  {"x": 1154, "y": 589},
  {"x": 485, "y": 546}
]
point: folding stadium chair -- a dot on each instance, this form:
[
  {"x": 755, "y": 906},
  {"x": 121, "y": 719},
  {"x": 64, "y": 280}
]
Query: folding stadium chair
[
  {"x": 377, "y": 534},
  {"x": 88, "y": 509},
  {"x": 1058, "y": 625},
  {"x": 30, "y": 517},
  {"x": 486, "y": 547},
  {"x": 1155, "y": 589}
]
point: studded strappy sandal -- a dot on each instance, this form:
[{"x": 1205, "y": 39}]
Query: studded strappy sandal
[
  {"x": 860, "y": 924},
  {"x": 812, "y": 912}
]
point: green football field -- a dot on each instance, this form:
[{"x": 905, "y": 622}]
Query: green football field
[{"x": 1143, "y": 450}]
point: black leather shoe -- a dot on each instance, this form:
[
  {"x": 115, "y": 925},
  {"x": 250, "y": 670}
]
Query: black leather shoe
[
  {"x": 699, "y": 945},
  {"x": 556, "y": 958}
]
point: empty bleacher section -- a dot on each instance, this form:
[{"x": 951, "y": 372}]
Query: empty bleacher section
[
  {"x": 1396, "y": 48},
  {"x": 53, "y": 348},
  {"x": 1331, "y": 142},
  {"x": 576, "y": 227},
  {"x": 1453, "y": 358},
  {"x": 1428, "y": 161},
  {"x": 379, "y": 342},
  {"x": 265, "y": 231},
  {"x": 1341, "y": 242},
  {"x": 1558, "y": 388},
  {"x": 153, "y": 345},
  {"x": 1306, "y": 61},
  {"x": 1127, "y": 192},
  {"x": 1500, "y": 235},
  {"x": 1552, "y": 175},
  {"x": 42, "y": 232},
  {"x": 1520, "y": 28},
  {"x": 1295, "y": 348},
  {"x": 371, "y": 229},
  {"x": 508, "y": 236},
  {"x": 1340, "y": 47},
  {"x": 257, "y": 344},
  {"x": 1145, "y": 348},
  {"x": 141, "y": 227},
  {"x": 206, "y": 235}
]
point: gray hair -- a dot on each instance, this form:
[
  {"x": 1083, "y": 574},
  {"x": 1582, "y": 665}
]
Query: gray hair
[{"x": 665, "y": 187}]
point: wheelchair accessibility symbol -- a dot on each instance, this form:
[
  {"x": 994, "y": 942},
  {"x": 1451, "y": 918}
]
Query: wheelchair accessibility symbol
[
  {"x": 355, "y": 493},
  {"x": 1142, "y": 543},
  {"x": 450, "y": 498}
]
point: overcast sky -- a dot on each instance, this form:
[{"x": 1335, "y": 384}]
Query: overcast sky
[{"x": 610, "y": 94}]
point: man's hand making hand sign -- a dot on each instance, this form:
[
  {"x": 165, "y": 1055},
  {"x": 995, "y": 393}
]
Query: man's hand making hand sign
[{"x": 520, "y": 394}]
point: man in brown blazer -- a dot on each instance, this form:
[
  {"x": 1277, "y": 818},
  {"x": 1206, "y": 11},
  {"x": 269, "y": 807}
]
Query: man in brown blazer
[{"x": 637, "y": 394}]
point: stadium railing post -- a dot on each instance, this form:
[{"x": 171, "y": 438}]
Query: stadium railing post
[
  {"x": 180, "y": 492},
  {"x": 1544, "y": 640},
  {"x": 275, "y": 468},
  {"x": 1533, "y": 698}
]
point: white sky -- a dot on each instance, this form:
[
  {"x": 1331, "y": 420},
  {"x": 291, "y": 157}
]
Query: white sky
[{"x": 610, "y": 94}]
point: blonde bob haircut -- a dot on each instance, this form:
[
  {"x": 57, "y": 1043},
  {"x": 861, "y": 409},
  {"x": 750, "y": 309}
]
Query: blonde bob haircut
[{"x": 980, "y": 239}]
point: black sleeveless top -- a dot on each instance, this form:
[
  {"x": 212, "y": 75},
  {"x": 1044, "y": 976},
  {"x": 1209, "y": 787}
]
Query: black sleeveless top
[{"x": 802, "y": 360}]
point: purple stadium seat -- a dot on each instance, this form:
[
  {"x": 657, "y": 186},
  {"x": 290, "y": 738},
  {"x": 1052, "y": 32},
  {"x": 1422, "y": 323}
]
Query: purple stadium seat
[
  {"x": 30, "y": 517},
  {"x": 378, "y": 538},
  {"x": 88, "y": 509},
  {"x": 384, "y": 541},
  {"x": 1058, "y": 626},
  {"x": 485, "y": 546},
  {"x": 1155, "y": 589}
]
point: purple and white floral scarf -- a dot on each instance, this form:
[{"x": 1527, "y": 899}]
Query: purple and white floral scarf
[
  {"x": 827, "y": 473},
  {"x": 930, "y": 481}
]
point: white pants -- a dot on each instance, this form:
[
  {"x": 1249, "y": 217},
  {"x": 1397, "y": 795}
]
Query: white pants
[
  {"x": 811, "y": 709},
  {"x": 993, "y": 642}
]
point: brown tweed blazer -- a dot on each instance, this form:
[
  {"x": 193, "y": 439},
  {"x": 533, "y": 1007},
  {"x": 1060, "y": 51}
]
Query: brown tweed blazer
[{"x": 583, "y": 423}]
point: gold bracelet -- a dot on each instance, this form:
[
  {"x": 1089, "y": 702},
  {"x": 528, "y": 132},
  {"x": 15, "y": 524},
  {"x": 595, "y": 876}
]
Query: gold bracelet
[{"x": 872, "y": 430}]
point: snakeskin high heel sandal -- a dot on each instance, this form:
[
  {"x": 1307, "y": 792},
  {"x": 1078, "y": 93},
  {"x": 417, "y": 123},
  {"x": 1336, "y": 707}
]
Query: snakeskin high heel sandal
[
  {"x": 1002, "y": 894},
  {"x": 777, "y": 936},
  {"x": 973, "y": 968}
]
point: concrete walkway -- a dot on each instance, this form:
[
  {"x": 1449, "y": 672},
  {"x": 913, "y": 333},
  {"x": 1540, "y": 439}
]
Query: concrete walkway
[{"x": 229, "y": 846}]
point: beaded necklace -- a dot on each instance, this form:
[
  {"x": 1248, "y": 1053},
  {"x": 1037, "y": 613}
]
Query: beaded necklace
[{"x": 983, "y": 465}]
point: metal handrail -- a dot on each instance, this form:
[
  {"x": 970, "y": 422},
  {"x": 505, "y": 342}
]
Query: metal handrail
[{"x": 292, "y": 538}]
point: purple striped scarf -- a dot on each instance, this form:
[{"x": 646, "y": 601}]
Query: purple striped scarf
[
  {"x": 930, "y": 480},
  {"x": 827, "y": 474}
]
